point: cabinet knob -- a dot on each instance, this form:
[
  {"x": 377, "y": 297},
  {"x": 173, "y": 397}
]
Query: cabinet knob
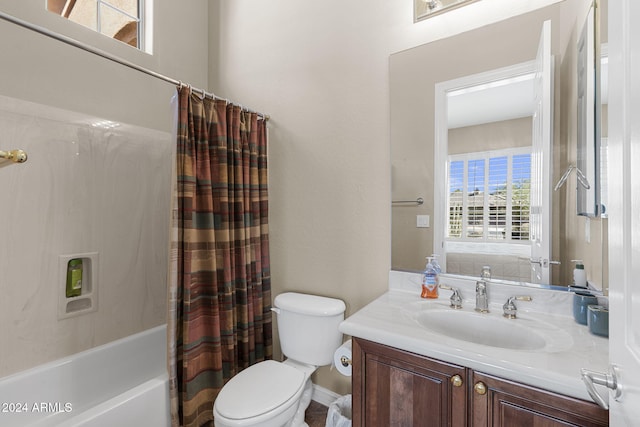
[
  {"x": 456, "y": 380},
  {"x": 480, "y": 388}
]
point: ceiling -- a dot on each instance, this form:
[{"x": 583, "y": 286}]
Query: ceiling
[{"x": 501, "y": 100}]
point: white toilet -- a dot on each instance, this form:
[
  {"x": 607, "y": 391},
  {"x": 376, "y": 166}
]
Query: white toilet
[{"x": 277, "y": 394}]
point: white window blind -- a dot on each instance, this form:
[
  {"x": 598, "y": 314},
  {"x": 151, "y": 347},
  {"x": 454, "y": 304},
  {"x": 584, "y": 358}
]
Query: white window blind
[{"x": 489, "y": 196}]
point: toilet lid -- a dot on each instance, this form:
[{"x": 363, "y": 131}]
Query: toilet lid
[{"x": 258, "y": 389}]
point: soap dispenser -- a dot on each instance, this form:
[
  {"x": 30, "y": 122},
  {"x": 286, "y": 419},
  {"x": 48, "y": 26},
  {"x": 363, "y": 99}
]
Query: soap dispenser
[
  {"x": 436, "y": 265},
  {"x": 579, "y": 275},
  {"x": 74, "y": 278},
  {"x": 429, "y": 281}
]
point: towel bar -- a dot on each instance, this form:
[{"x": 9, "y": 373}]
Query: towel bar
[
  {"x": 418, "y": 201},
  {"x": 16, "y": 156}
]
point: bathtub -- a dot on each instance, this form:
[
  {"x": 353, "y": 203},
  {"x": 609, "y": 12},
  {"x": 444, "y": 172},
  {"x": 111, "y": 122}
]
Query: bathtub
[{"x": 123, "y": 383}]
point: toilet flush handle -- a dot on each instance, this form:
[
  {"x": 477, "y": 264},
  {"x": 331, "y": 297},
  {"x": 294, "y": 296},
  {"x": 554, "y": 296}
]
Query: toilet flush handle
[{"x": 275, "y": 310}]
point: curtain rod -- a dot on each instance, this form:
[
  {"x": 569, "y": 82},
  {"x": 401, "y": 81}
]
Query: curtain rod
[{"x": 106, "y": 55}]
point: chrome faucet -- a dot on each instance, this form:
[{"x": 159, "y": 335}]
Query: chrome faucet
[
  {"x": 456, "y": 299},
  {"x": 486, "y": 273},
  {"x": 482, "y": 299},
  {"x": 510, "y": 309}
]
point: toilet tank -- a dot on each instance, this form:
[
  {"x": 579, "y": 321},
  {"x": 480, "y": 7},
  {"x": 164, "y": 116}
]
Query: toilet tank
[{"x": 308, "y": 327}]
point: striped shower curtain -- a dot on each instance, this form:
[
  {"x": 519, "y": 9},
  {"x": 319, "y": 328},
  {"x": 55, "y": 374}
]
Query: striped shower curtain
[{"x": 220, "y": 289}]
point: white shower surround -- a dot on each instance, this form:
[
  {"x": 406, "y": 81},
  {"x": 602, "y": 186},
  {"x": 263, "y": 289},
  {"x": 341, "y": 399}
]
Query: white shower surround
[{"x": 89, "y": 185}]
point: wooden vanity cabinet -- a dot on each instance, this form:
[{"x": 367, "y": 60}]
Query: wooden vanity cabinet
[
  {"x": 499, "y": 402},
  {"x": 393, "y": 387}
]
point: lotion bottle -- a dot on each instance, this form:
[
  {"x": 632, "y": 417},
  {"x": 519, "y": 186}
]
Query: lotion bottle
[{"x": 579, "y": 275}]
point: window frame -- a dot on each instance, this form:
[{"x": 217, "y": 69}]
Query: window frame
[
  {"x": 94, "y": 24},
  {"x": 138, "y": 19}
]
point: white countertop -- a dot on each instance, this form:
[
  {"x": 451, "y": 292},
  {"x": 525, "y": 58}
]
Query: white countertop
[{"x": 391, "y": 320}]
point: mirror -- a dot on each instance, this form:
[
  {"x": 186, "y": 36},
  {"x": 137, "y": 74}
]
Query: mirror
[{"x": 414, "y": 75}]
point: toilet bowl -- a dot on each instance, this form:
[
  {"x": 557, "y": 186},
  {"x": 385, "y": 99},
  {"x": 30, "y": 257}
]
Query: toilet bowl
[
  {"x": 277, "y": 394},
  {"x": 268, "y": 394}
]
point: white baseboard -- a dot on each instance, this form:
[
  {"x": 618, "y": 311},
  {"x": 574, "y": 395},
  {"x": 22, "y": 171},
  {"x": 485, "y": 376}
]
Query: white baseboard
[{"x": 324, "y": 396}]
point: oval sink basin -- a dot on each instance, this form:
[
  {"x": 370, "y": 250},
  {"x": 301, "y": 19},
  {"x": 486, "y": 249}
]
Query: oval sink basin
[{"x": 486, "y": 329}]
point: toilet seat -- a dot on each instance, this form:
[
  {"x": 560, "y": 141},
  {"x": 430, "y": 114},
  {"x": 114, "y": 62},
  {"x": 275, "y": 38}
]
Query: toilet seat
[{"x": 259, "y": 389}]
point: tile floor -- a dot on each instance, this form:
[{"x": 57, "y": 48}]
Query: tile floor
[{"x": 316, "y": 414}]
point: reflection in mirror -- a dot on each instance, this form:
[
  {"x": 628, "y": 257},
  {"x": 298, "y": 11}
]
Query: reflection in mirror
[
  {"x": 497, "y": 200},
  {"x": 487, "y": 182},
  {"x": 414, "y": 74},
  {"x": 602, "y": 38},
  {"x": 588, "y": 191}
]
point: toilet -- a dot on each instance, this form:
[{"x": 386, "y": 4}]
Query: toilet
[{"x": 277, "y": 394}]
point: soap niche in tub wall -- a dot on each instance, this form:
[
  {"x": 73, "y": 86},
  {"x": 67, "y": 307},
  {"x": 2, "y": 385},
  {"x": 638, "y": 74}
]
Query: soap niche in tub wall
[{"x": 84, "y": 300}]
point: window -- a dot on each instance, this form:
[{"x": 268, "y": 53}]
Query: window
[
  {"x": 489, "y": 197},
  {"x": 118, "y": 19}
]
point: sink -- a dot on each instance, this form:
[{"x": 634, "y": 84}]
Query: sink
[{"x": 485, "y": 329}]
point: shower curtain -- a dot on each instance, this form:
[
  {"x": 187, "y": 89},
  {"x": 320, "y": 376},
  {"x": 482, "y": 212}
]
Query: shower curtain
[{"x": 220, "y": 288}]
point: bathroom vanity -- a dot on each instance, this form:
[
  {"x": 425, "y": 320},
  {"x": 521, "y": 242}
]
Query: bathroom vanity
[
  {"x": 396, "y": 387},
  {"x": 420, "y": 362}
]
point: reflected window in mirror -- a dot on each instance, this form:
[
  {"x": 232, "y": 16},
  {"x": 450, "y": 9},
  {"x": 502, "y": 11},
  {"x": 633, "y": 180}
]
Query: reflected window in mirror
[
  {"x": 489, "y": 197},
  {"x": 488, "y": 205}
]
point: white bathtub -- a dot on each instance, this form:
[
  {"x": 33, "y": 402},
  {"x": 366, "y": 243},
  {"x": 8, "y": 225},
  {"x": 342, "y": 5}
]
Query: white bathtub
[{"x": 123, "y": 383}]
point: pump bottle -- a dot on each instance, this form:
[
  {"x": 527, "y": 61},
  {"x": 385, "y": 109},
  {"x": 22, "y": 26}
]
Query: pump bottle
[
  {"x": 579, "y": 275},
  {"x": 429, "y": 281},
  {"x": 436, "y": 265}
]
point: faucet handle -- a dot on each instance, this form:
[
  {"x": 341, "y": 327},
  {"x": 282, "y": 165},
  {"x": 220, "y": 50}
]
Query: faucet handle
[
  {"x": 510, "y": 308},
  {"x": 456, "y": 299}
]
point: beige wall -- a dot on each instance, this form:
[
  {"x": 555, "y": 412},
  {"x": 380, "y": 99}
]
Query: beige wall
[
  {"x": 321, "y": 70},
  {"x": 490, "y": 136}
]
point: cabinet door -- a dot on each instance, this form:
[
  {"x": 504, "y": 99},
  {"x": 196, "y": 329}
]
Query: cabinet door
[
  {"x": 393, "y": 387},
  {"x": 496, "y": 402}
]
